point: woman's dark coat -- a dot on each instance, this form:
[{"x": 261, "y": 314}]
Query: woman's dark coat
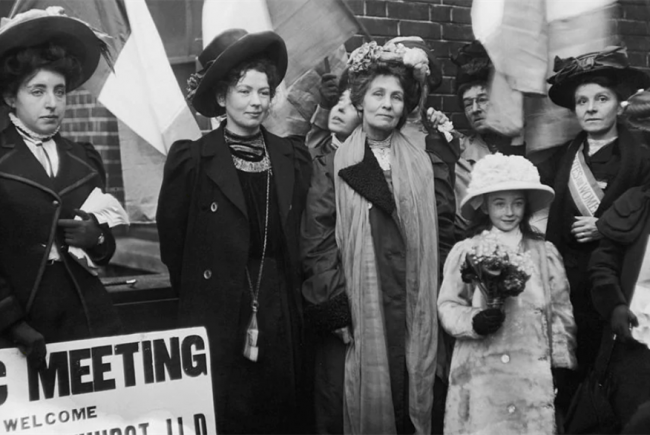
[
  {"x": 324, "y": 286},
  {"x": 634, "y": 168},
  {"x": 31, "y": 203},
  {"x": 204, "y": 237},
  {"x": 614, "y": 271}
]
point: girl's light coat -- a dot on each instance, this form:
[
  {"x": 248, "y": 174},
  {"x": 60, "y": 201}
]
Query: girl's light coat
[{"x": 502, "y": 383}]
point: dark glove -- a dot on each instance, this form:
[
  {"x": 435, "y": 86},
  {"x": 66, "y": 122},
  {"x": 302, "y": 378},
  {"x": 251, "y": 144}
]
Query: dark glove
[
  {"x": 622, "y": 319},
  {"x": 488, "y": 321},
  {"x": 31, "y": 343},
  {"x": 329, "y": 91},
  {"x": 82, "y": 233},
  {"x": 562, "y": 380}
]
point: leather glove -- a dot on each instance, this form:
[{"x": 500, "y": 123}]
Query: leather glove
[
  {"x": 488, "y": 321},
  {"x": 329, "y": 91},
  {"x": 31, "y": 343},
  {"x": 622, "y": 320},
  {"x": 82, "y": 233}
]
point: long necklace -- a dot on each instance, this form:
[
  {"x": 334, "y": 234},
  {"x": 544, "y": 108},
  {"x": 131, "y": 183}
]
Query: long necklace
[{"x": 251, "y": 350}]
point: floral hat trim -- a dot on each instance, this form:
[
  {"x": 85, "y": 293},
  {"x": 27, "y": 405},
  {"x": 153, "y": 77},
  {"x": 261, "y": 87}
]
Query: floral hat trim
[
  {"x": 195, "y": 79},
  {"x": 497, "y": 168},
  {"x": 370, "y": 53}
]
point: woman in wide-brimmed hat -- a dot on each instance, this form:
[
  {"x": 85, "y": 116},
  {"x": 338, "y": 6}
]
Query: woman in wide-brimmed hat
[
  {"x": 591, "y": 171},
  {"x": 506, "y": 359},
  {"x": 228, "y": 219},
  {"x": 50, "y": 290},
  {"x": 378, "y": 222}
]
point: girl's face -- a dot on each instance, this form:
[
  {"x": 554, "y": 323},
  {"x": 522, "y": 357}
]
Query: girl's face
[
  {"x": 247, "y": 103},
  {"x": 596, "y": 109},
  {"x": 383, "y": 106},
  {"x": 343, "y": 118},
  {"x": 40, "y": 102},
  {"x": 506, "y": 209}
]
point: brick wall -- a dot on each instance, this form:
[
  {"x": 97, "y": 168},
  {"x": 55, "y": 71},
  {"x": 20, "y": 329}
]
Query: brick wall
[
  {"x": 446, "y": 26},
  {"x": 87, "y": 120}
]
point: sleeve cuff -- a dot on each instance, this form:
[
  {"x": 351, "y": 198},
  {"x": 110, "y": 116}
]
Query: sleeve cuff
[
  {"x": 606, "y": 297},
  {"x": 329, "y": 316}
]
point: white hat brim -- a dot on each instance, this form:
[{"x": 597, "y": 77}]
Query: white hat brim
[{"x": 539, "y": 196}]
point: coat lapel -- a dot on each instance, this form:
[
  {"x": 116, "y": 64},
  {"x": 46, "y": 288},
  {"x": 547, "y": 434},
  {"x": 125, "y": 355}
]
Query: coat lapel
[
  {"x": 220, "y": 168},
  {"x": 19, "y": 163},
  {"x": 283, "y": 172},
  {"x": 627, "y": 172},
  {"x": 73, "y": 171},
  {"x": 368, "y": 180}
]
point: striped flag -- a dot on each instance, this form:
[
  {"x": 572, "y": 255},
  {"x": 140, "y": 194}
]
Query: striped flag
[
  {"x": 142, "y": 93},
  {"x": 522, "y": 40},
  {"x": 312, "y": 30}
]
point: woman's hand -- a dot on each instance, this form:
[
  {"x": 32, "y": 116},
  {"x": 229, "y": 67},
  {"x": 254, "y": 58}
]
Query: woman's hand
[
  {"x": 584, "y": 229},
  {"x": 344, "y": 334},
  {"x": 622, "y": 320},
  {"x": 82, "y": 233},
  {"x": 31, "y": 343}
]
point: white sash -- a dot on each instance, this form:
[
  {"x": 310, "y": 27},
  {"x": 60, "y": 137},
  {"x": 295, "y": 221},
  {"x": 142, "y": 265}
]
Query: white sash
[{"x": 584, "y": 188}]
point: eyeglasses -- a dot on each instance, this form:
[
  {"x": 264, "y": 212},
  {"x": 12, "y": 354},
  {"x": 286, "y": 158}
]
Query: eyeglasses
[{"x": 481, "y": 102}]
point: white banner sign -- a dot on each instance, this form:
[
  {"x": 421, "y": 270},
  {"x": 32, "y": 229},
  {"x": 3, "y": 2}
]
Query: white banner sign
[{"x": 140, "y": 384}]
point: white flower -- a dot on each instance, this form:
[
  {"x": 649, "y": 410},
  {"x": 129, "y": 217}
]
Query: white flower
[{"x": 415, "y": 56}]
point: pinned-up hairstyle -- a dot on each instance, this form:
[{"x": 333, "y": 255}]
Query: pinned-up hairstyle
[{"x": 23, "y": 64}]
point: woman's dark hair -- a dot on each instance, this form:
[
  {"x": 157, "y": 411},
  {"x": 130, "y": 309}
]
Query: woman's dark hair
[
  {"x": 23, "y": 64},
  {"x": 481, "y": 222},
  {"x": 360, "y": 83},
  {"x": 621, "y": 89},
  {"x": 260, "y": 64}
]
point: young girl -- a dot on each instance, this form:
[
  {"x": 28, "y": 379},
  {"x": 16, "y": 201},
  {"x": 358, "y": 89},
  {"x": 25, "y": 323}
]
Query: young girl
[{"x": 501, "y": 377}]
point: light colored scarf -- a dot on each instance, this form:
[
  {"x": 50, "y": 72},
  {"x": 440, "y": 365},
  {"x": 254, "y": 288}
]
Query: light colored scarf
[{"x": 368, "y": 405}]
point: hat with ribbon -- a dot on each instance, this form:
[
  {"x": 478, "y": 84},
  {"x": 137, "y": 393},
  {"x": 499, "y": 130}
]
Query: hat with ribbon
[
  {"x": 43, "y": 26},
  {"x": 498, "y": 173},
  {"x": 473, "y": 65},
  {"x": 226, "y": 51},
  {"x": 612, "y": 63}
]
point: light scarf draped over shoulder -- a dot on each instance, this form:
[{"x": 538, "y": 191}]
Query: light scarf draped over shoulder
[{"x": 368, "y": 405}]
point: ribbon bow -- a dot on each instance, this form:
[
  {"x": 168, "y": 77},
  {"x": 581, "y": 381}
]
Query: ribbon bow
[{"x": 611, "y": 57}]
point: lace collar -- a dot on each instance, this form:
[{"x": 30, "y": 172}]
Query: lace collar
[{"x": 26, "y": 131}]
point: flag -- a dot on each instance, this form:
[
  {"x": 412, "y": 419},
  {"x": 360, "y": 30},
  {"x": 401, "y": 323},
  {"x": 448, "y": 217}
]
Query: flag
[
  {"x": 522, "y": 40},
  {"x": 312, "y": 30},
  {"x": 141, "y": 92}
]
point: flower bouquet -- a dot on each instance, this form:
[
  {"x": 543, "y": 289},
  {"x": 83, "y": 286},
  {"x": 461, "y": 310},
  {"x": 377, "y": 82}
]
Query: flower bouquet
[{"x": 498, "y": 271}]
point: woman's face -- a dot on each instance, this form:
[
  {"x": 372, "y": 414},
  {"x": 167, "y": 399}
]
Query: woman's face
[
  {"x": 596, "y": 109},
  {"x": 343, "y": 118},
  {"x": 40, "y": 102},
  {"x": 383, "y": 106},
  {"x": 247, "y": 103},
  {"x": 506, "y": 209}
]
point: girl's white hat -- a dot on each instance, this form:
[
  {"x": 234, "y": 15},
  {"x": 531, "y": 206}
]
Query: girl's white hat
[{"x": 497, "y": 173}]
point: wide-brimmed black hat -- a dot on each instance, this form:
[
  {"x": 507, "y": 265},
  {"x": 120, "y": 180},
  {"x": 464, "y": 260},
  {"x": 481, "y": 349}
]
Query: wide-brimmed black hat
[
  {"x": 473, "y": 64},
  {"x": 435, "y": 70},
  {"x": 611, "y": 63},
  {"x": 38, "y": 27},
  {"x": 225, "y": 52}
]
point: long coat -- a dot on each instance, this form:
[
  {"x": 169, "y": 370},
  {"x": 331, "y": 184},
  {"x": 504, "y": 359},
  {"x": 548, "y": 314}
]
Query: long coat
[
  {"x": 324, "y": 286},
  {"x": 205, "y": 236},
  {"x": 502, "y": 383},
  {"x": 31, "y": 203},
  {"x": 634, "y": 168}
]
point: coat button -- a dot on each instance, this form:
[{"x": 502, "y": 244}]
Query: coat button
[
  {"x": 213, "y": 207},
  {"x": 505, "y": 359},
  {"x": 511, "y": 409},
  {"x": 207, "y": 274},
  {"x": 55, "y": 203}
]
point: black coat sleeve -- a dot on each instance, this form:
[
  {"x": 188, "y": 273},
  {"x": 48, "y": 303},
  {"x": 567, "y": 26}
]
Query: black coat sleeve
[
  {"x": 173, "y": 207},
  {"x": 324, "y": 287},
  {"x": 100, "y": 254},
  {"x": 443, "y": 172}
]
